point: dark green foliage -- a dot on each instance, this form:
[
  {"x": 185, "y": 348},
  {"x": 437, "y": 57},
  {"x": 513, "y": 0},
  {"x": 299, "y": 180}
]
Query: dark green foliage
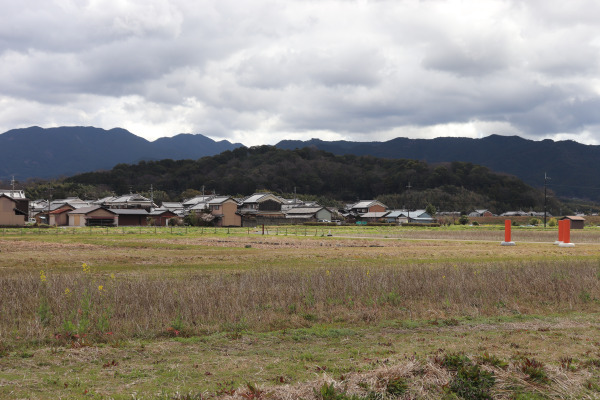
[
  {"x": 431, "y": 210},
  {"x": 397, "y": 386},
  {"x": 463, "y": 220},
  {"x": 329, "y": 392},
  {"x": 454, "y": 361},
  {"x": 325, "y": 176},
  {"x": 493, "y": 360},
  {"x": 471, "y": 382},
  {"x": 62, "y": 189}
]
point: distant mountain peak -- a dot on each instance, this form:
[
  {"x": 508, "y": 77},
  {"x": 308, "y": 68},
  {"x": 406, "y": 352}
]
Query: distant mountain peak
[{"x": 37, "y": 152}]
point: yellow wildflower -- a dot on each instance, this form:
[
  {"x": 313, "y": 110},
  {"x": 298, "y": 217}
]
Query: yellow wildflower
[
  {"x": 327, "y": 273},
  {"x": 67, "y": 292},
  {"x": 100, "y": 287},
  {"x": 86, "y": 268},
  {"x": 42, "y": 276},
  {"x": 112, "y": 276}
]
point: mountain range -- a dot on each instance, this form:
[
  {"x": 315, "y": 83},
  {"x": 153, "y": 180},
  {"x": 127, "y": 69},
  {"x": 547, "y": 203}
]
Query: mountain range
[
  {"x": 572, "y": 168},
  {"x": 48, "y": 153},
  {"x": 36, "y": 152}
]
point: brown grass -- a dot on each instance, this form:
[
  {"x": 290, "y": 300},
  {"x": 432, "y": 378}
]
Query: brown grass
[
  {"x": 266, "y": 298},
  {"x": 426, "y": 380}
]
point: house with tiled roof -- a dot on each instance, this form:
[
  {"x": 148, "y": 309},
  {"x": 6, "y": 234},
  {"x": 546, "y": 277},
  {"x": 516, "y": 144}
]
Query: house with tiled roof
[
  {"x": 365, "y": 206},
  {"x": 308, "y": 213},
  {"x": 261, "y": 208},
  {"x": 128, "y": 201},
  {"x": 225, "y": 211},
  {"x": 409, "y": 216}
]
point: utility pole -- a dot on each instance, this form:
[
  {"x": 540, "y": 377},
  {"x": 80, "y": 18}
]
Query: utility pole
[
  {"x": 50, "y": 189},
  {"x": 151, "y": 197},
  {"x": 408, "y": 209},
  {"x": 545, "y": 197}
]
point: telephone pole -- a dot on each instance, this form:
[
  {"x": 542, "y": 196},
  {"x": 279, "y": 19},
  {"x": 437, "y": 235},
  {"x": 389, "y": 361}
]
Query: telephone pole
[
  {"x": 408, "y": 209},
  {"x": 545, "y": 197}
]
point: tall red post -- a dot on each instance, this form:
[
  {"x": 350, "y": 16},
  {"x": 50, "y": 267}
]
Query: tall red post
[
  {"x": 567, "y": 231},
  {"x": 561, "y": 230},
  {"x": 565, "y": 234},
  {"x": 507, "y": 234}
]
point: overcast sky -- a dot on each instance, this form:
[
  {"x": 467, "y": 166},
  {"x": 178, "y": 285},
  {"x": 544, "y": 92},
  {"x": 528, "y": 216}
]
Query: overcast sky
[{"x": 259, "y": 71}]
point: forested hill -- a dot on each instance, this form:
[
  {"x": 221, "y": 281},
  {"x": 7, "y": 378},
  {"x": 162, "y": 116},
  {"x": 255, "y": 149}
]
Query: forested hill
[
  {"x": 573, "y": 167},
  {"x": 244, "y": 170}
]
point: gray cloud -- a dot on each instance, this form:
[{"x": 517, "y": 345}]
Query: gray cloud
[{"x": 261, "y": 71}]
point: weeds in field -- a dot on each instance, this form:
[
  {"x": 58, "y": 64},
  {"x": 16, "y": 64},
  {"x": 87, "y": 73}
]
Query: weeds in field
[
  {"x": 492, "y": 360},
  {"x": 254, "y": 393},
  {"x": 83, "y": 313},
  {"x": 44, "y": 312},
  {"x": 226, "y": 388},
  {"x": 534, "y": 370},
  {"x": 397, "y": 386},
  {"x": 329, "y": 392},
  {"x": 139, "y": 304},
  {"x": 454, "y": 361},
  {"x": 4, "y": 349},
  {"x": 472, "y": 383}
]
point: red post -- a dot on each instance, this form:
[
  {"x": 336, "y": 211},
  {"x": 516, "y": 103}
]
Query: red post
[
  {"x": 507, "y": 232},
  {"x": 561, "y": 225},
  {"x": 567, "y": 231}
]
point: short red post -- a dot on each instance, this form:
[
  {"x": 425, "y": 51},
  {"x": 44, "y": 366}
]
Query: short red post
[{"x": 507, "y": 234}]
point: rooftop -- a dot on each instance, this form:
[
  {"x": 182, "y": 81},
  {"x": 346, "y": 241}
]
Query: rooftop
[{"x": 15, "y": 194}]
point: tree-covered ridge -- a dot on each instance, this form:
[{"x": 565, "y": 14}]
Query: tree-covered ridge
[{"x": 243, "y": 171}]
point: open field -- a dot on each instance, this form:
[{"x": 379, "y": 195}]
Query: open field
[{"x": 373, "y": 311}]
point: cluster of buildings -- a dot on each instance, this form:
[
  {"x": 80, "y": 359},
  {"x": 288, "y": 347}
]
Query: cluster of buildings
[
  {"x": 257, "y": 209},
  {"x": 520, "y": 213},
  {"x": 137, "y": 210}
]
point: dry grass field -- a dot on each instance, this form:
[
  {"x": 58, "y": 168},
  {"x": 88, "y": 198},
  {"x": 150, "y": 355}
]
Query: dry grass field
[{"x": 369, "y": 312}]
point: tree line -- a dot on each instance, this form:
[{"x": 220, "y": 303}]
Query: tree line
[{"x": 314, "y": 174}]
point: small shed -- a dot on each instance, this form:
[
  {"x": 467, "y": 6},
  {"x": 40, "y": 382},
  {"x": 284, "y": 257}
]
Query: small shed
[
  {"x": 160, "y": 217},
  {"x": 576, "y": 221},
  {"x": 131, "y": 216},
  {"x": 92, "y": 216}
]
